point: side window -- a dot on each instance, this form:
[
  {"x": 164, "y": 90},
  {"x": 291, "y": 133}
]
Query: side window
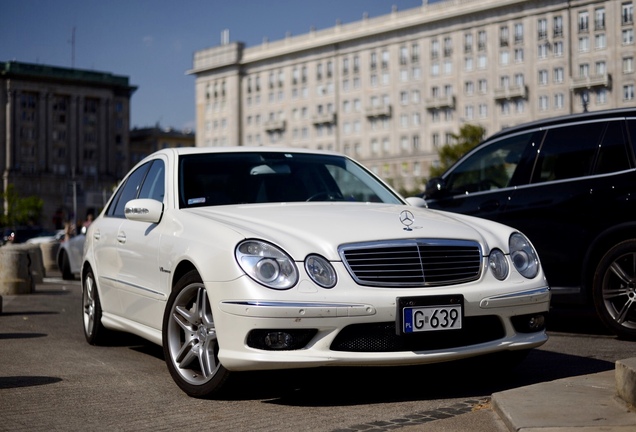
[
  {"x": 495, "y": 166},
  {"x": 127, "y": 191},
  {"x": 568, "y": 152},
  {"x": 154, "y": 185},
  {"x": 613, "y": 154}
]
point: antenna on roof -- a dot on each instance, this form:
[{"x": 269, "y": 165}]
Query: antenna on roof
[{"x": 72, "y": 42}]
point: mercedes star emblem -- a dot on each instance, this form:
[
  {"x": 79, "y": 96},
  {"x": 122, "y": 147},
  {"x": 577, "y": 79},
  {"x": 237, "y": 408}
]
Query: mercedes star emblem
[{"x": 407, "y": 219}]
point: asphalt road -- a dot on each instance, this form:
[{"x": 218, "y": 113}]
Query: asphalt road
[{"x": 51, "y": 379}]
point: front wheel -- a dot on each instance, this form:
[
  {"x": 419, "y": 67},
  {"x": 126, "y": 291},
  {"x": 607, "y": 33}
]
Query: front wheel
[
  {"x": 614, "y": 289},
  {"x": 190, "y": 342}
]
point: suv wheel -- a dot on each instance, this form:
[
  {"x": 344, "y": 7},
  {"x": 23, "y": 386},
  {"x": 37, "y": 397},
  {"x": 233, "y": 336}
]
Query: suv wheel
[{"x": 614, "y": 289}]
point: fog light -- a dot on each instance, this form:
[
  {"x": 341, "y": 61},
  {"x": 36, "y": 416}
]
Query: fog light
[
  {"x": 536, "y": 323},
  {"x": 529, "y": 323},
  {"x": 278, "y": 340}
]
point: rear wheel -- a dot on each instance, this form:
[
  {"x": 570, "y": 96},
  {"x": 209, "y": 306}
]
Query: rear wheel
[
  {"x": 94, "y": 331},
  {"x": 190, "y": 343},
  {"x": 614, "y": 289},
  {"x": 65, "y": 266}
]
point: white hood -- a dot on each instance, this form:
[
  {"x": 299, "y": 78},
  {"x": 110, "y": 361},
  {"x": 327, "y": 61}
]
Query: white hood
[{"x": 303, "y": 228}]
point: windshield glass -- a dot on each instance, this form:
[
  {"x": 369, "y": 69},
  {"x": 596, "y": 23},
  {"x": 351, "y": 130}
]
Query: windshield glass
[{"x": 263, "y": 177}]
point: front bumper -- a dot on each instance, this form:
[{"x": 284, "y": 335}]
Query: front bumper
[{"x": 330, "y": 329}]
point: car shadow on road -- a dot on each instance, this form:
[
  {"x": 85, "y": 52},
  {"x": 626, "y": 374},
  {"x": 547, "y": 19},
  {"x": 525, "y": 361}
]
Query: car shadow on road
[{"x": 470, "y": 378}]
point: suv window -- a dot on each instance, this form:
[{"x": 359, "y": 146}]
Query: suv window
[
  {"x": 494, "y": 166},
  {"x": 613, "y": 156},
  {"x": 568, "y": 152}
]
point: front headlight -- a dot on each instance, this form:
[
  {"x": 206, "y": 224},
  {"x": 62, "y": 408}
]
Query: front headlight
[
  {"x": 523, "y": 256},
  {"x": 498, "y": 264},
  {"x": 266, "y": 264},
  {"x": 320, "y": 271}
]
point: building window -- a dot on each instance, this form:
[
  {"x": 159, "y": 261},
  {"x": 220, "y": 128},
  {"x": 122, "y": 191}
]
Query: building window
[
  {"x": 599, "y": 19},
  {"x": 599, "y": 41},
  {"x": 628, "y": 92},
  {"x": 415, "y": 53},
  {"x": 628, "y": 36},
  {"x": 584, "y": 22},
  {"x": 543, "y": 77},
  {"x": 481, "y": 40},
  {"x": 542, "y": 28},
  {"x": 483, "y": 110},
  {"x": 601, "y": 96},
  {"x": 559, "y": 101},
  {"x": 518, "y": 33},
  {"x": 543, "y": 103},
  {"x": 627, "y": 13},
  {"x": 434, "y": 49},
  {"x": 557, "y": 48},
  {"x": 558, "y": 26},
  {"x": 503, "y": 36},
  {"x": 628, "y": 65},
  {"x": 468, "y": 43},
  {"x": 542, "y": 51},
  {"x": 584, "y": 44},
  {"x": 518, "y": 55},
  {"x": 558, "y": 75},
  {"x": 584, "y": 70}
]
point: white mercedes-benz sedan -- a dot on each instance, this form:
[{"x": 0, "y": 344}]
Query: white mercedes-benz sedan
[{"x": 238, "y": 259}]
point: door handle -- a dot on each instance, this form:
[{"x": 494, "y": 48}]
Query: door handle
[
  {"x": 121, "y": 237},
  {"x": 488, "y": 206}
]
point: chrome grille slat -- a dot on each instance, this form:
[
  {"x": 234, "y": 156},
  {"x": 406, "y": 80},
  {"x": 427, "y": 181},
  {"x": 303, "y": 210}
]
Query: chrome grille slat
[{"x": 415, "y": 262}]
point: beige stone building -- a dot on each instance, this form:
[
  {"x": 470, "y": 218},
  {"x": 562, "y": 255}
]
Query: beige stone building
[
  {"x": 144, "y": 141},
  {"x": 64, "y": 136},
  {"x": 389, "y": 90}
]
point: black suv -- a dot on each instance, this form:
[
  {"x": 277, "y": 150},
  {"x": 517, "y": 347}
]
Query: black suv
[{"x": 569, "y": 184}]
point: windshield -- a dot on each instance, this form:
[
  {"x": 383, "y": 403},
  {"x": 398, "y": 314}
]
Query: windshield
[{"x": 263, "y": 177}]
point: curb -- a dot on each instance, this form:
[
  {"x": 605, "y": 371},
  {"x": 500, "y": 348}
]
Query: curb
[{"x": 626, "y": 380}]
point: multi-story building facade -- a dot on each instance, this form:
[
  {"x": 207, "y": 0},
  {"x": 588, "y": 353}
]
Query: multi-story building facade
[
  {"x": 144, "y": 141},
  {"x": 389, "y": 90},
  {"x": 64, "y": 136}
]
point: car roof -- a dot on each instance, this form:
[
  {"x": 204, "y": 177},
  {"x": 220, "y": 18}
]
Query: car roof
[
  {"x": 242, "y": 149},
  {"x": 593, "y": 115}
]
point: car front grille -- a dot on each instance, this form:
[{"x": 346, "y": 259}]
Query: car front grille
[
  {"x": 416, "y": 262},
  {"x": 382, "y": 337}
]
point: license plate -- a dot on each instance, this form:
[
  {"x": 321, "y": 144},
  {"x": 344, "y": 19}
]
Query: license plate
[
  {"x": 421, "y": 319},
  {"x": 429, "y": 313}
]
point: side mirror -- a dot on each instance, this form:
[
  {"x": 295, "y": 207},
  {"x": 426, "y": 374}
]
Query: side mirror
[
  {"x": 435, "y": 187},
  {"x": 417, "y": 202},
  {"x": 144, "y": 210}
]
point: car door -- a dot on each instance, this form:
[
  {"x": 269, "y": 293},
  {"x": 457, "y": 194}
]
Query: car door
[
  {"x": 138, "y": 245},
  {"x": 580, "y": 175},
  {"x": 106, "y": 245},
  {"x": 484, "y": 181}
]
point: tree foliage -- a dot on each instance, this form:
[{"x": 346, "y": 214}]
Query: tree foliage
[
  {"x": 467, "y": 138},
  {"x": 20, "y": 211}
]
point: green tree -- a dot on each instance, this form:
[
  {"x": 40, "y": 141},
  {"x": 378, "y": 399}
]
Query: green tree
[
  {"x": 467, "y": 138},
  {"x": 20, "y": 211}
]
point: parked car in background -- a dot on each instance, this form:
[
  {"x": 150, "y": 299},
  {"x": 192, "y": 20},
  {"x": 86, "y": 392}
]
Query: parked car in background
[
  {"x": 47, "y": 237},
  {"x": 20, "y": 234},
  {"x": 569, "y": 184},
  {"x": 69, "y": 255},
  {"x": 237, "y": 259}
]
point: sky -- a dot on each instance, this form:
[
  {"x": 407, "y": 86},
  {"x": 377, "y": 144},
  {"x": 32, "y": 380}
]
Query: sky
[{"x": 152, "y": 42}]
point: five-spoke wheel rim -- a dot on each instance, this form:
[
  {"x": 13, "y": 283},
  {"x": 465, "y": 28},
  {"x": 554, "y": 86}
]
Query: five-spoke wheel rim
[
  {"x": 191, "y": 336},
  {"x": 619, "y": 290}
]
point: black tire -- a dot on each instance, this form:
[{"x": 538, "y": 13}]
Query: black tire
[
  {"x": 614, "y": 289},
  {"x": 65, "y": 267},
  {"x": 94, "y": 331},
  {"x": 190, "y": 344}
]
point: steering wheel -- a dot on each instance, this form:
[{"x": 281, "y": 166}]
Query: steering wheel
[{"x": 328, "y": 195}]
